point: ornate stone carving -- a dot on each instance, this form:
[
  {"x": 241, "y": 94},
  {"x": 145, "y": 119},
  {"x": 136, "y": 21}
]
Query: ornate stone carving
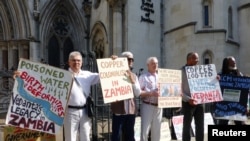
[
  {"x": 116, "y": 3},
  {"x": 97, "y": 3},
  {"x": 36, "y": 12},
  {"x": 87, "y": 7},
  {"x": 61, "y": 25}
]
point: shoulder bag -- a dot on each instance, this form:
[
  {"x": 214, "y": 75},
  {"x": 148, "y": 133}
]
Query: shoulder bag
[
  {"x": 89, "y": 106},
  {"x": 89, "y": 102}
]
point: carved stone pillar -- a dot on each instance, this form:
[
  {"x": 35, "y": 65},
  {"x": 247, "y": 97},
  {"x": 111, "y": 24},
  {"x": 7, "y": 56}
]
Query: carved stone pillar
[
  {"x": 36, "y": 12},
  {"x": 116, "y": 3},
  {"x": 87, "y": 7},
  {"x": 116, "y": 6}
]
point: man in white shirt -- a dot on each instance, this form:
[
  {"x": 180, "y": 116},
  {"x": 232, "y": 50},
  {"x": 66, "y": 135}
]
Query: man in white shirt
[{"x": 76, "y": 118}]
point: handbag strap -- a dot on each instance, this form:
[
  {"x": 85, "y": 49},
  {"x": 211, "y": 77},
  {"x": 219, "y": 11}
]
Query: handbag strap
[{"x": 80, "y": 86}]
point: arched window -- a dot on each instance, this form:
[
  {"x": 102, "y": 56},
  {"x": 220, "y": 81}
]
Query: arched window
[
  {"x": 207, "y": 13},
  {"x": 207, "y": 57},
  {"x": 98, "y": 48},
  {"x": 54, "y": 52},
  {"x": 67, "y": 48},
  {"x": 15, "y": 57},
  {"x": 5, "y": 58},
  {"x": 97, "y": 3},
  {"x": 60, "y": 43},
  {"x": 230, "y": 23},
  {"x": 98, "y": 42},
  {"x": 1, "y": 30}
]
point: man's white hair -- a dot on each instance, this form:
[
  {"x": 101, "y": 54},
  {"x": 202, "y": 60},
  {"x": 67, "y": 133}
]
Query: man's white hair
[
  {"x": 152, "y": 59},
  {"x": 74, "y": 53},
  {"x": 127, "y": 54}
]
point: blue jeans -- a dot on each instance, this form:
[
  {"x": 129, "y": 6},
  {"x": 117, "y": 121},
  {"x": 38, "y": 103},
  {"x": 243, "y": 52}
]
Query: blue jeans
[
  {"x": 124, "y": 124},
  {"x": 198, "y": 113}
]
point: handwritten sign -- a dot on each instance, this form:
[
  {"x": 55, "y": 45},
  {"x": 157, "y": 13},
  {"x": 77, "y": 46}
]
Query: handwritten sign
[
  {"x": 165, "y": 131},
  {"x": 137, "y": 128},
  {"x": 203, "y": 84},
  {"x": 235, "y": 93},
  {"x": 39, "y": 97},
  {"x": 12, "y": 133},
  {"x": 170, "y": 88},
  {"x": 115, "y": 83},
  {"x": 178, "y": 124}
]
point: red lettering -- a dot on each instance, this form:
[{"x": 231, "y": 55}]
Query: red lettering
[
  {"x": 113, "y": 92},
  {"x": 209, "y": 96},
  {"x": 47, "y": 97},
  {"x": 35, "y": 124},
  {"x": 107, "y": 93},
  {"x": 122, "y": 90},
  {"x": 177, "y": 120}
]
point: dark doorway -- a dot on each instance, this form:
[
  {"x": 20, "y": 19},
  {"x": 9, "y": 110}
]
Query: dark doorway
[
  {"x": 54, "y": 52},
  {"x": 67, "y": 48}
]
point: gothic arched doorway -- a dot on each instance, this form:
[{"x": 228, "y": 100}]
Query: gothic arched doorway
[
  {"x": 67, "y": 48},
  {"x": 60, "y": 44},
  {"x": 54, "y": 52}
]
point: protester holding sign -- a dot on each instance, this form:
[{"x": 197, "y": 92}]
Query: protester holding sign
[
  {"x": 190, "y": 108},
  {"x": 124, "y": 111},
  {"x": 151, "y": 115},
  {"x": 229, "y": 67},
  {"x": 39, "y": 98},
  {"x": 76, "y": 117}
]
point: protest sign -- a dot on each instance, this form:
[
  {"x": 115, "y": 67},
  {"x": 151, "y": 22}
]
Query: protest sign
[
  {"x": 178, "y": 124},
  {"x": 39, "y": 97},
  {"x": 170, "y": 88},
  {"x": 137, "y": 128},
  {"x": 115, "y": 83},
  {"x": 203, "y": 83},
  {"x": 12, "y": 133},
  {"x": 235, "y": 91},
  {"x": 165, "y": 131}
]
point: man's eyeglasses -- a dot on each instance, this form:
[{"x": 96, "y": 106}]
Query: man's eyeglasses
[
  {"x": 75, "y": 60},
  {"x": 130, "y": 59}
]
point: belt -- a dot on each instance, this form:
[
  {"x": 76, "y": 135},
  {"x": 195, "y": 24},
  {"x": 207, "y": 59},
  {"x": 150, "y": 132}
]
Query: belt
[
  {"x": 76, "y": 107},
  {"x": 153, "y": 104}
]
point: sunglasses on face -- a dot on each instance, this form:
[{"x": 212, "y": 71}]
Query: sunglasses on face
[{"x": 131, "y": 59}]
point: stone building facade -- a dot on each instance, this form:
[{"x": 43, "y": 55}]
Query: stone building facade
[{"x": 47, "y": 30}]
